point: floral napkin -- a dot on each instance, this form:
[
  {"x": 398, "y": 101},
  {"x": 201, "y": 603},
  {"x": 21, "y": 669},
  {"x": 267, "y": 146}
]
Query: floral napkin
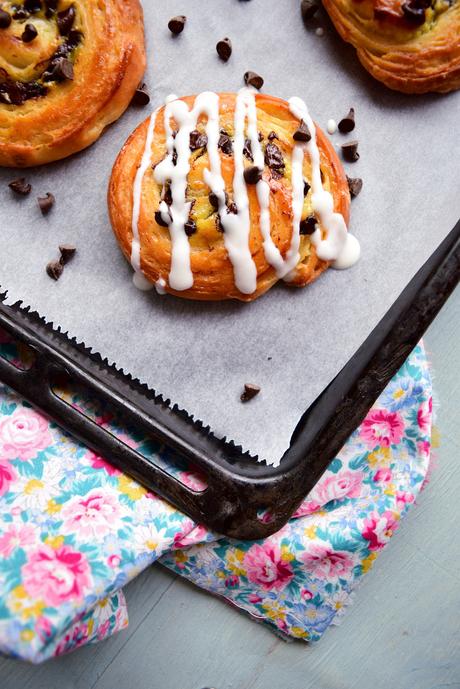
[{"x": 74, "y": 530}]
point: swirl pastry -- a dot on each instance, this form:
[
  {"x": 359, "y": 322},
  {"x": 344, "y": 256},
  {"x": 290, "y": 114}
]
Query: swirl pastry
[
  {"x": 219, "y": 196},
  {"x": 68, "y": 68},
  {"x": 410, "y": 45}
]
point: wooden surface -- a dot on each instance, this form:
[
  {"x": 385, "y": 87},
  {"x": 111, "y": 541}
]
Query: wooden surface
[{"x": 403, "y": 632}]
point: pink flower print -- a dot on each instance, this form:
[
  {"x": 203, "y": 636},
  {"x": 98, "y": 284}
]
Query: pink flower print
[
  {"x": 232, "y": 581},
  {"x": 379, "y": 528},
  {"x": 91, "y": 516},
  {"x": 98, "y": 462},
  {"x": 424, "y": 448},
  {"x": 193, "y": 480},
  {"x": 424, "y": 415},
  {"x": 345, "y": 484},
  {"x": 7, "y": 476},
  {"x": 114, "y": 561},
  {"x": 403, "y": 498},
  {"x": 325, "y": 563},
  {"x": 265, "y": 567},
  {"x": 16, "y": 536},
  {"x": 383, "y": 475},
  {"x": 381, "y": 427},
  {"x": 56, "y": 575},
  {"x": 23, "y": 434},
  {"x": 43, "y": 628},
  {"x": 254, "y": 598},
  {"x": 185, "y": 538},
  {"x": 306, "y": 594}
]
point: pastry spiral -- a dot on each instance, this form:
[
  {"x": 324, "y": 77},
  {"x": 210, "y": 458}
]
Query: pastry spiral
[
  {"x": 68, "y": 68},
  {"x": 411, "y": 46},
  {"x": 220, "y": 196}
]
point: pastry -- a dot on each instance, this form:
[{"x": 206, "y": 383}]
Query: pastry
[
  {"x": 219, "y": 196},
  {"x": 68, "y": 68},
  {"x": 410, "y": 45}
]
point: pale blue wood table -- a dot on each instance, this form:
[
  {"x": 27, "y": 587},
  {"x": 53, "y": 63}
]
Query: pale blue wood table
[{"x": 402, "y": 633}]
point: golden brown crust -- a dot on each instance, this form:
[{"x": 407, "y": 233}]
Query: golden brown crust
[
  {"x": 108, "y": 64},
  {"x": 405, "y": 56},
  {"x": 212, "y": 269}
]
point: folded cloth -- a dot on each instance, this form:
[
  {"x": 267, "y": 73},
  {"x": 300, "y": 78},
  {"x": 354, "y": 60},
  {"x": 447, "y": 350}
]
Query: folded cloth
[{"x": 74, "y": 530}]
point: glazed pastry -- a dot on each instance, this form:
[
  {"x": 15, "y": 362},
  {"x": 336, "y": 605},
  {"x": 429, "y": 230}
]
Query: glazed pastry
[
  {"x": 411, "y": 45},
  {"x": 219, "y": 196},
  {"x": 68, "y": 68}
]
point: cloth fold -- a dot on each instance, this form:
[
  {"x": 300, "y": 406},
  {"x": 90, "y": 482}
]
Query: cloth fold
[{"x": 74, "y": 530}]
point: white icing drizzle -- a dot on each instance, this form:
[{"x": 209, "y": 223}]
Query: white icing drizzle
[
  {"x": 160, "y": 286},
  {"x": 331, "y": 126},
  {"x": 337, "y": 246},
  {"x": 141, "y": 282}
]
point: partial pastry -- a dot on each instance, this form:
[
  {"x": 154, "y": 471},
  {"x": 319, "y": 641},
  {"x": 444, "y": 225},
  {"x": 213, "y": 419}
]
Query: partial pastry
[
  {"x": 410, "y": 45},
  {"x": 219, "y": 196},
  {"x": 68, "y": 68}
]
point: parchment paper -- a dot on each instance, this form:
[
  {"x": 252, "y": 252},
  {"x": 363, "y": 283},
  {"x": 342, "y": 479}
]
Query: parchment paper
[{"x": 290, "y": 342}]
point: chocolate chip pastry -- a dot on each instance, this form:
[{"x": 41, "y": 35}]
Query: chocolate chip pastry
[
  {"x": 67, "y": 70},
  {"x": 410, "y": 45},
  {"x": 220, "y": 196}
]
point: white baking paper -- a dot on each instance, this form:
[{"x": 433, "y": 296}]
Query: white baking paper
[{"x": 290, "y": 342}]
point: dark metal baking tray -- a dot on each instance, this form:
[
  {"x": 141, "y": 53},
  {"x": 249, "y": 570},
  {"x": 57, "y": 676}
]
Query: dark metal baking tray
[{"x": 240, "y": 491}]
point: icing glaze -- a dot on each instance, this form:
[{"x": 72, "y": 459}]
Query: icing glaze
[
  {"x": 331, "y": 126},
  {"x": 336, "y": 244}
]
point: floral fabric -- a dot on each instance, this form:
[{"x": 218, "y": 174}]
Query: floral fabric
[{"x": 74, "y": 530}]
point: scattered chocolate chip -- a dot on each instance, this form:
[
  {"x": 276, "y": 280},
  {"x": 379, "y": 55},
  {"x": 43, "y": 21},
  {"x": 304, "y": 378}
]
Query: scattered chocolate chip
[
  {"x": 355, "y": 184},
  {"x": 347, "y": 124},
  {"x": 413, "y": 13},
  {"x": 306, "y": 187},
  {"x": 308, "y": 9},
  {"x": 190, "y": 227},
  {"x": 252, "y": 174},
  {"x": 232, "y": 208},
  {"x": 220, "y": 227},
  {"x": 51, "y": 7},
  {"x": 308, "y": 226},
  {"x": 213, "y": 200},
  {"x": 141, "y": 96},
  {"x": 67, "y": 252},
  {"x": 253, "y": 79},
  {"x": 55, "y": 269},
  {"x": 176, "y": 24},
  {"x": 65, "y": 20},
  {"x": 174, "y": 157},
  {"x": 159, "y": 219},
  {"x": 274, "y": 157},
  {"x": 225, "y": 143},
  {"x": 166, "y": 195},
  {"x": 62, "y": 70},
  {"x": 197, "y": 140},
  {"x": 32, "y": 6},
  {"x": 260, "y": 136},
  {"x": 302, "y": 133},
  {"x": 29, "y": 33},
  {"x": 73, "y": 39},
  {"x": 272, "y": 135},
  {"x": 5, "y": 19},
  {"x": 247, "y": 150},
  {"x": 350, "y": 151},
  {"x": 46, "y": 203},
  {"x": 250, "y": 391},
  {"x": 224, "y": 49},
  {"x": 20, "y": 186},
  {"x": 20, "y": 13}
]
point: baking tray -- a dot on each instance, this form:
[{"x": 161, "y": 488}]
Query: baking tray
[{"x": 243, "y": 499}]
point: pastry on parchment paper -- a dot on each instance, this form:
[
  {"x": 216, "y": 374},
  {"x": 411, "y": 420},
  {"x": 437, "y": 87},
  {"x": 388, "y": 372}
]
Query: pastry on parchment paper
[{"x": 220, "y": 196}]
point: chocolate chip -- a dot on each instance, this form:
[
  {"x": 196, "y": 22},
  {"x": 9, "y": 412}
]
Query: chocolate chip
[
  {"x": 46, "y": 203},
  {"x": 213, "y": 200},
  {"x": 224, "y": 49},
  {"x": 32, "y": 6},
  {"x": 190, "y": 227},
  {"x": 355, "y": 184},
  {"x": 247, "y": 150},
  {"x": 306, "y": 187},
  {"x": 308, "y": 9},
  {"x": 233, "y": 208},
  {"x": 347, "y": 124},
  {"x": 308, "y": 226},
  {"x": 252, "y": 174},
  {"x": 272, "y": 135},
  {"x": 55, "y": 269},
  {"x": 20, "y": 13},
  {"x": 260, "y": 136},
  {"x": 159, "y": 219},
  {"x": 29, "y": 33},
  {"x": 225, "y": 143},
  {"x": 166, "y": 195},
  {"x": 174, "y": 157},
  {"x": 51, "y": 7},
  {"x": 65, "y": 20},
  {"x": 176, "y": 24},
  {"x": 250, "y": 391},
  {"x": 253, "y": 79},
  {"x": 141, "y": 96},
  {"x": 5, "y": 19},
  {"x": 220, "y": 227},
  {"x": 302, "y": 133},
  {"x": 62, "y": 69},
  {"x": 274, "y": 157},
  {"x": 350, "y": 151},
  {"x": 67, "y": 252},
  {"x": 20, "y": 186},
  {"x": 73, "y": 39},
  {"x": 197, "y": 140},
  {"x": 413, "y": 13}
]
